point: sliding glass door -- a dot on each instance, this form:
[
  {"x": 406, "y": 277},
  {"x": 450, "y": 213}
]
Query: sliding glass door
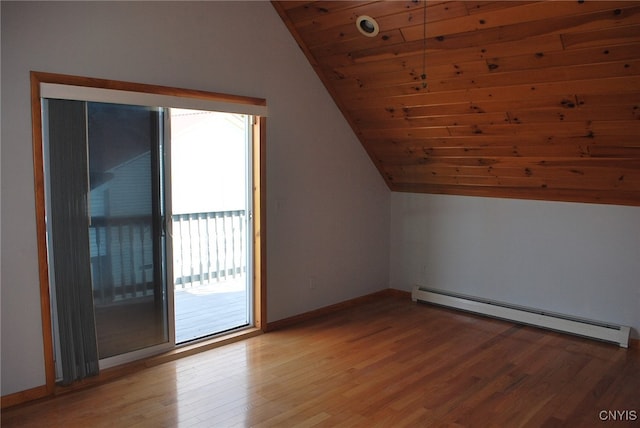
[{"x": 115, "y": 254}]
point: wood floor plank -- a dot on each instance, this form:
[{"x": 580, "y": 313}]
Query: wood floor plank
[{"x": 387, "y": 362}]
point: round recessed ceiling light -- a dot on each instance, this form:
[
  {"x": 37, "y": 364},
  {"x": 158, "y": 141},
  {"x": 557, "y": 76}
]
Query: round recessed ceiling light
[{"x": 367, "y": 26}]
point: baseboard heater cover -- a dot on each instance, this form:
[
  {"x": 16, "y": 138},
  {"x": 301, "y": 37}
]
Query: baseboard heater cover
[{"x": 523, "y": 315}]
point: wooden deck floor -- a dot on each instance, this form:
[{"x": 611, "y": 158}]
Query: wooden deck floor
[
  {"x": 385, "y": 363},
  {"x": 202, "y": 310}
]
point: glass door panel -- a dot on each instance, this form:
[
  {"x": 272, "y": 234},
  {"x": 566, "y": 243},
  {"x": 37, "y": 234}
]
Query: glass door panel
[
  {"x": 125, "y": 232},
  {"x": 210, "y": 226}
]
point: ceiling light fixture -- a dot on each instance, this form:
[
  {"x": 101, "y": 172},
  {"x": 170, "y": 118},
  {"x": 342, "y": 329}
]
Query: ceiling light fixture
[{"x": 367, "y": 26}]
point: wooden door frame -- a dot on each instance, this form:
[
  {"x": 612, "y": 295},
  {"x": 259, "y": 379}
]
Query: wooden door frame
[{"x": 259, "y": 199}]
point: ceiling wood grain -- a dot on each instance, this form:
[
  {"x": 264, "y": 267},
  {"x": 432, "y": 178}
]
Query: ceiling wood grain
[{"x": 524, "y": 99}]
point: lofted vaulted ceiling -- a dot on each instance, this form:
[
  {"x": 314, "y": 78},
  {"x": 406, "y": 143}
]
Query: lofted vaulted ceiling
[{"x": 524, "y": 99}]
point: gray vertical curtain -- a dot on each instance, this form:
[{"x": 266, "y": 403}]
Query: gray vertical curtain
[{"x": 69, "y": 221}]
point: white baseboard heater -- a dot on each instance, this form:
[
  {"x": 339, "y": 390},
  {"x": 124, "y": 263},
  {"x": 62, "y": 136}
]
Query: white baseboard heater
[{"x": 535, "y": 317}]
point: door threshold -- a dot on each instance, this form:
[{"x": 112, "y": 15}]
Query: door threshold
[{"x": 192, "y": 348}]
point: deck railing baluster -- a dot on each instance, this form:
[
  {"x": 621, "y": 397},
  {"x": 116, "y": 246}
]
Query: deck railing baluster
[
  {"x": 233, "y": 243},
  {"x": 120, "y": 252},
  {"x": 190, "y": 226},
  {"x": 143, "y": 259},
  {"x": 240, "y": 241},
  {"x": 209, "y": 267},
  {"x": 180, "y": 243},
  {"x": 216, "y": 240},
  {"x": 109, "y": 283},
  {"x": 198, "y": 228},
  {"x": 97, "y": 272},
  {"x": 224, "y": 245}
]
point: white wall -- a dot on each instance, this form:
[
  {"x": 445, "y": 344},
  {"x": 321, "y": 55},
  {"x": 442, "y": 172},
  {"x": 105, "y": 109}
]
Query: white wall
[
  {"x": 328, "y": 208},
  {"x": 576, "y": 259}
]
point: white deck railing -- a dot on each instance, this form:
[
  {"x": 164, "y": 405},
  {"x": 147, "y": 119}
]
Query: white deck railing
[{"x": 207, "y": 247}]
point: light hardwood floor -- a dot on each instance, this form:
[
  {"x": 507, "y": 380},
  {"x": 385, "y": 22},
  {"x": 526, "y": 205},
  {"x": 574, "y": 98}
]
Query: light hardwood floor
[{"x": 387, "y": 362}]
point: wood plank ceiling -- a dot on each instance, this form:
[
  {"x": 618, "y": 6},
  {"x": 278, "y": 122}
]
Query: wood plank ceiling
[{"x": 524, "y": 99}]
